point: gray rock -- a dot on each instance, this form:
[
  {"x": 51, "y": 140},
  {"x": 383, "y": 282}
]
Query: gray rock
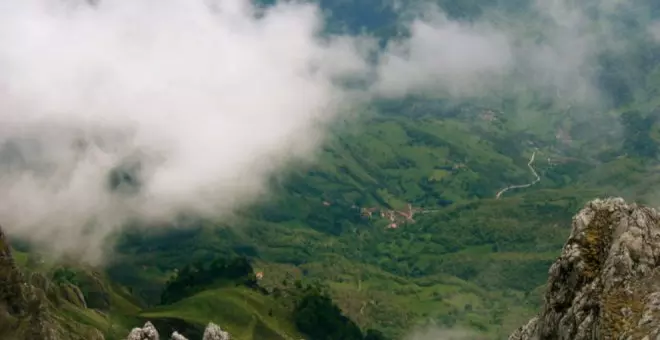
[
  {"x": 214, "y": 332},
  {"x": 606, "y": 282},
  {"x": 147, "y": 332},
  {"x": 23, "y": 308},
  {"x": 177, "y": 336}
]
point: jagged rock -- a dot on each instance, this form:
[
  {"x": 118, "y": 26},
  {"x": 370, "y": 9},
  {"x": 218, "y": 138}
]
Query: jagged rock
[
  {"x": 52, "y": 291},
  {"x": 147, "y": 332},
  {"x": 606, "y": 282},
  {"x": 12, "y": 282},
  {"x": 177, "y": 336},
  {"x": 23, "y": 313},
  {"x": 26, "y": 311},
  {"x": 214, "y": 332}
]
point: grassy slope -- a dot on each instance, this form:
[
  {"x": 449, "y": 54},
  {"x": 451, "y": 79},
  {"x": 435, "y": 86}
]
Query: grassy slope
[
  {"x": 477, "y": 263},
  {"x": 114, "y": 322},
  {"x": 244, "y": 313},
  {"x": 442, "y": 269}
]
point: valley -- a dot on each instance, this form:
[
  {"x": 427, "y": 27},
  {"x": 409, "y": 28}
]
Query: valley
[
  {"x": 470, "y": 260},
  {"x": 461, "y": 257},
  {"x": 427, "y": 210}
]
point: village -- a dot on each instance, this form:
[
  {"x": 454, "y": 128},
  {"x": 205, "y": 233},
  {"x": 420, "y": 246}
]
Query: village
[{"x": 396, "y": 217}]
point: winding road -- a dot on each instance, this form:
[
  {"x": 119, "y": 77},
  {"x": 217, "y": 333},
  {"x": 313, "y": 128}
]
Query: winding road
[{"x": 520, "y": 186}]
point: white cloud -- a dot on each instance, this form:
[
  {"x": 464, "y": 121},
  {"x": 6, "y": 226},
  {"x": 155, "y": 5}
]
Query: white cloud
[
  {"x": 444, "y": 55},
  {"x": 212, "y": 96},
  {"x": 218, "y": 100},
  {"x": 654, "y": 29}
]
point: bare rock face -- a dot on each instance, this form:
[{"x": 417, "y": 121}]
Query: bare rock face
[
  {"x": 147, "y": 332},
  {"x": 23, "y": 313},
  {"x": 177, "y": 336},
  {"x": 606, "y": 282},
  {"x": 214, "y": 332}
]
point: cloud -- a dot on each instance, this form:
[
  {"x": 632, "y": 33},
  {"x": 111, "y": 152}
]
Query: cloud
[
  {"x": 144, "y": 109},
  {"x": 204, "y": 100},
  {"x": 444, "y": 55},
  {"x": 552, "y": 47},
  {"x": 654, "y": 30}
]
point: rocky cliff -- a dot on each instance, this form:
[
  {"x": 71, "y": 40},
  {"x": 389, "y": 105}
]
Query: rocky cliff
[
  {"x": 23, "y": 313},
  {"x": 25, "y": 309},
  {"x": 606, "y": 282}
]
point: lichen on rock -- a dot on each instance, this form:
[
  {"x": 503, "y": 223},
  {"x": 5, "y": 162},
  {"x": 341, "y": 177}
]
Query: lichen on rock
[{"x": 606, "y": 282}]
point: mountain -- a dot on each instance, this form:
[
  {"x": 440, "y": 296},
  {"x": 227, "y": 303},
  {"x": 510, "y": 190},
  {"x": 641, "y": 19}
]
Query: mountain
[
  {"x": 427, "y": 212},
  {"x": 26, "y": 312},
  {"x": 469, "y": 260},
  {"x": 604, "y": 284},
  {"x": 66, "y": 299}
]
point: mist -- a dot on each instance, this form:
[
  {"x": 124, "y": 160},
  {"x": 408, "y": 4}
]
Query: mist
[
  {"x": 458, "y": 59},
  {"x": 127, "y": 110},
  {"x": 146, "y": 109},
  {"x": 654, "y": 30}
]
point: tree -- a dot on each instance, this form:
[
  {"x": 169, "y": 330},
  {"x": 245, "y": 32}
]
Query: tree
[{"x": 320, "y": 319}]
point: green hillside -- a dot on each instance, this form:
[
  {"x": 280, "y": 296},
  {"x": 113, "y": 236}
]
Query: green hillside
[
  {"x": 468, "y": 260},
  {"x": 76, "y": 302},
  {"x": 242, "y": 312},
  {"x": 396, "y": 224}
]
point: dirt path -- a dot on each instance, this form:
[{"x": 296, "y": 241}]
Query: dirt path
[{"x": 520, "y": 186}]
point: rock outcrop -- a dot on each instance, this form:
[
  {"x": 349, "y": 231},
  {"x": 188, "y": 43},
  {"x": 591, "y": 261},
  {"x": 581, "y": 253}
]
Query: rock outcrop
[
  {"x": 606, "y": 282},
  {"x": 177, "y": 336},
  {"x": 214, "y": 332},
  {"x": 149, "y": 332},
  {"x": 26, "y": 305},
  {"x": 23, "y": 310}
]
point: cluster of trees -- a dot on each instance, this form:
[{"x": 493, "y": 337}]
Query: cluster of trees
[
  {"x": 318, "y": 317},
  {"x": 314, "y": 312},
  {"x": 64, "y": 275},
  {"x": 194, "y": 278}
]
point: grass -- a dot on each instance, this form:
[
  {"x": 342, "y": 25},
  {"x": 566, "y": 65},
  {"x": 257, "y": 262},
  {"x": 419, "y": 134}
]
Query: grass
[
  {"x": 475, "y": 264},
  {"x": 244, "y": 313}
]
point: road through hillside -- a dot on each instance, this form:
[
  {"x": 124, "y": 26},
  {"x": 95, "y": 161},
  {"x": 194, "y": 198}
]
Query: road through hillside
[{"x": 537, "y": 178}]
